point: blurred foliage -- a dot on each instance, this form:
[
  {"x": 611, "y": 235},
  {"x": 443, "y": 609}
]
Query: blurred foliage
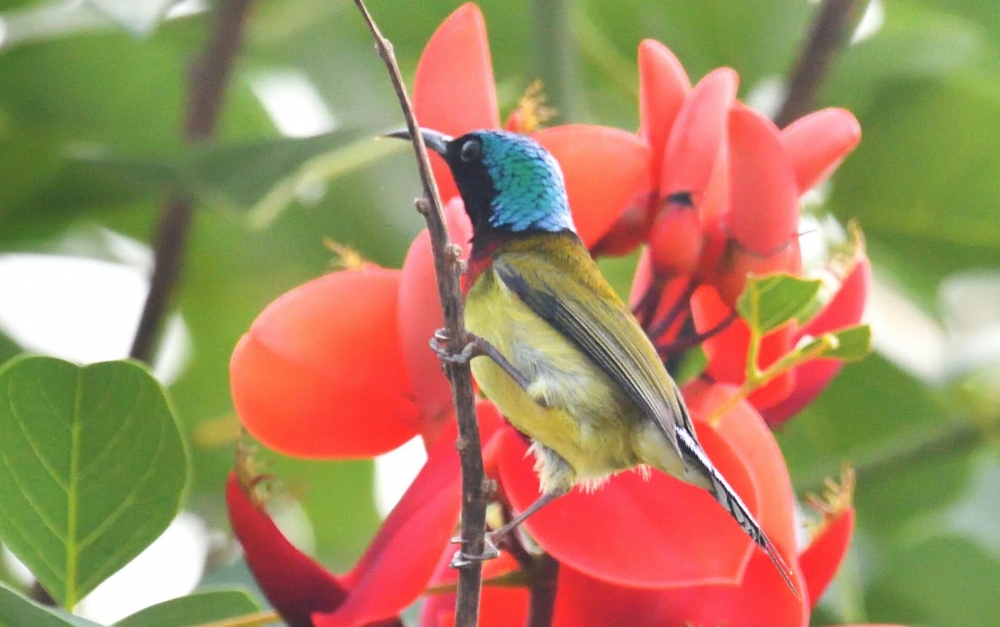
[{"x": 89, "y": 133}]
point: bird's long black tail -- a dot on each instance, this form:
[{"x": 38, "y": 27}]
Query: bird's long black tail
[{"x": 696, "y": 459}]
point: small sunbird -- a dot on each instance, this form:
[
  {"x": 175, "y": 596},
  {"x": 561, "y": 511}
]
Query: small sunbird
[{"x": 559, "y": 353}]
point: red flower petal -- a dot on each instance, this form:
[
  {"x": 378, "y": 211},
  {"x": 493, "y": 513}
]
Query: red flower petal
[
  {"x": 754, "y": 443},
  {"x": 663, "y": 86},
  {"x": 730, "y": 276},
  {"x": 715, "y": 202},
  {"x": 630, "y": 230},
  {"x": 604, "y": 169},
  {"x": 810, "y": 380},
  {"x": 821, "y": 559},
  {"x": 399, "y": 562},
  {"x": 320, "y": 373},
  {"x": 663, "y": 533},
  {"x": 698, "y": 135},
  {"x": 764, "y": 200},
  {"x": 453, "y": 89},
  {"x": 847, "y": 305},
  {"x": 818, "y": 142},
  {"x": 844, "y": 310},
  {"x": 420, "y": 316},
  {"x": 293, "y": 583},
  {"x": 499, "y": 606},
  {"x": 675, "y": 240},
  {"x": 761, "y": 600}
]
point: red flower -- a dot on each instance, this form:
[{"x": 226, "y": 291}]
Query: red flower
[
  {"x": 340, "y": 367},
  {"x": 725, "y": 184},
  {"x": 758, "y": 598}
]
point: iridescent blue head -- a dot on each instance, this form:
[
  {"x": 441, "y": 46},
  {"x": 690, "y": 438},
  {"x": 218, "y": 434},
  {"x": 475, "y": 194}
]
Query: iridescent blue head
[{"x": 509, "y": 183}]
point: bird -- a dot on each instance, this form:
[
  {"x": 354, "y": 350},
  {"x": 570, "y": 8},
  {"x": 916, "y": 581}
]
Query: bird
[{"x": 553, "y": 347}]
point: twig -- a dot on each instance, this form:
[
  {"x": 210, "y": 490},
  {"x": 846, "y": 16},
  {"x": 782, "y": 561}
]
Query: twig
[
  {"x": 207, "y": 83},
  {"x": 828, "y": 35},
  {"x": 544, "y": 582},
  {"x": 448, "y": 268}
]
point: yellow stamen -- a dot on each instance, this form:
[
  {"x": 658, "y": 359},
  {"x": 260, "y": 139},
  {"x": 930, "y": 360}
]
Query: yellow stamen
[
  {"x": 345, "y": 257},
  {"x": 837, "y": 498},
  {"x": 531, "y": 112}
]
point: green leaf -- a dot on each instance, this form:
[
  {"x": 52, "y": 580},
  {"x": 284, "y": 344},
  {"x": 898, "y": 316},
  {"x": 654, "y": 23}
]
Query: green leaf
[
  {"x": 913, "y": 43},
  {"x": 770, "y": 301},
  {"x": 92, "y": 468},
  {"x": 245, "y": 176},
  {"x": 850, "y": 344},
  {"x": 929, "y": 592},
  {"x": 18, "y": 611},
  {"x": 8, "y": 348},
  {"x": 195, "y": 609}
]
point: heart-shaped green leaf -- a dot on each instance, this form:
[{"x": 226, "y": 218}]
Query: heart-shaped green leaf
[
  {"x": 770, "y": 301},
  {"x": 92, "y": 468},
  {"x": 197, "y": 609}
]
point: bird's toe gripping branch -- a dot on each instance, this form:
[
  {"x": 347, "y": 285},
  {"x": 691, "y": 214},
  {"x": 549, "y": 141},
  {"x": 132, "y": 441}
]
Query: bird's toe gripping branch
[
  {"x": 475, "y": 347},
  {"x": 462, "y": 559}
]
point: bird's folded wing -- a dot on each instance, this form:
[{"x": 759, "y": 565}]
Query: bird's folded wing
[{"x": 587, "y": 312}]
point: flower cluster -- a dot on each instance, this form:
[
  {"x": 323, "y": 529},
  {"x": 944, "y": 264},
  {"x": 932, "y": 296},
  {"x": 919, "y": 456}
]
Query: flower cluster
[{"x": 340, "y": 368}]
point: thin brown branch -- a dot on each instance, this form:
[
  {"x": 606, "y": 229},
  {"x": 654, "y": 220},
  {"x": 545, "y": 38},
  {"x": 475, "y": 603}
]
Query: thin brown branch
[
  {"x": 448, "y": 268},
  {"x": 830, "y": 31},
  {"x": 207, "y": 84},
  {"x": 544, "y": 582}
]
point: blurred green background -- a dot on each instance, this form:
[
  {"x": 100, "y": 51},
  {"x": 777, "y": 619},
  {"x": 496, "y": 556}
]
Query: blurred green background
[{"x": 92, "y": 96}]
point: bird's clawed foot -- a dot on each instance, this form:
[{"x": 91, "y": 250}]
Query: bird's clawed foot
[
  {"x": 439, "y": 344},
  {"x": 475, "y": 346},
  {"x": 490, "y": 551}
]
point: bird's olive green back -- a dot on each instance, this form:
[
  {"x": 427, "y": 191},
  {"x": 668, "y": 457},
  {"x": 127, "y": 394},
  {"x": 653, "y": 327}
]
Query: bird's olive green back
[{"x": 554, "y": 275}]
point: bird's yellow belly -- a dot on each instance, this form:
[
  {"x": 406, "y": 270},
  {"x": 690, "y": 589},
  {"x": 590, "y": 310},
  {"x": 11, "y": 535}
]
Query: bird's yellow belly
[{"x": 571, "y": 406}]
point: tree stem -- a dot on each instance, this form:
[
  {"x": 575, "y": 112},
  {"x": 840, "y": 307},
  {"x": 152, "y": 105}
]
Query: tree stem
[
  {"x": 829, "y": 32},
  {"x": 207, "y": 83},
  {"x": 544, "y": 582},
  {"x": 555, "y": 54},
  {"x": 448, "y": 268}
]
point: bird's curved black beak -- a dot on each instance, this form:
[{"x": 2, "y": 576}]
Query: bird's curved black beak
[{"x": 438, "y": 142}]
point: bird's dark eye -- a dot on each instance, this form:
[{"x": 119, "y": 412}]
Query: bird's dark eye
[{"x": 471, "y": 150}]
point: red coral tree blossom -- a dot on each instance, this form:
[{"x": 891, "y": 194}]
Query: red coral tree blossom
[
  {"x": 340, "y": 368},
  {"x": 722, "y": 202}
]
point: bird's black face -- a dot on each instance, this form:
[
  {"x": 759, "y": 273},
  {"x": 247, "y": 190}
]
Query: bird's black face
[
  {"x": 509, "y": 182},
  {"x": 464, "y": 155}
]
